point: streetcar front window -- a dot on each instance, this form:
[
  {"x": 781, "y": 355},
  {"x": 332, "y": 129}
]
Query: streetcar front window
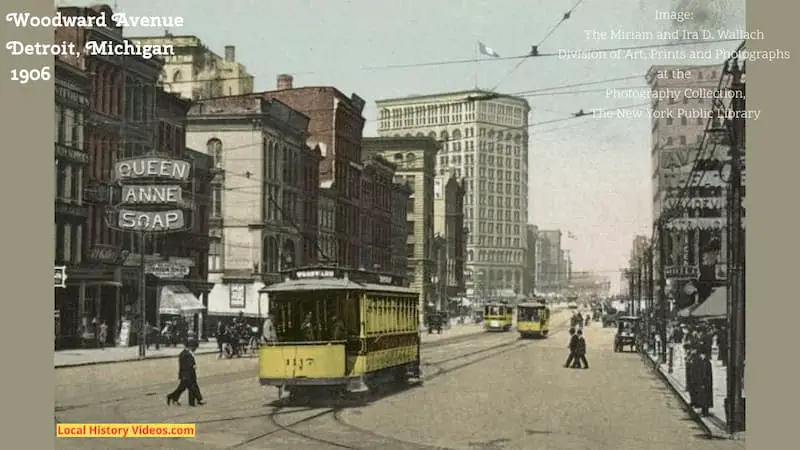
[{"x": 529, "y": 315}]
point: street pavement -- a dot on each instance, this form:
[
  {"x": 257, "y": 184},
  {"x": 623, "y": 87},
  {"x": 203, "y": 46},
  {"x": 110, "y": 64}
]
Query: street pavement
[
  {"x": 82, "y": 357},
  {"x": 715, "y": 422},
  {"x": 487, "y": 391}
]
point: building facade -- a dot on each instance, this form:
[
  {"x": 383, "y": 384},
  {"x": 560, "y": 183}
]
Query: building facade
[
  {"x": 336, "y": 125},
  {"x": 449, "y": 237},
  {"x": 195, "y": 72},
  {"x": 676, "y": 142},
  {"x": 71, "y": 160},
  {"x": 530, "y": 276},
  {"x": 484, "y": 139},
  {"x": 376, "y": 214},
  {"x": 264, "y": 203},
  {"x": 552, "y": 262},
  {"x": 415, "y": 158},
  {"x": 401, "y": 201},
  {"x": 327, "y": 225},
  {"x": 119, "y": 123}
]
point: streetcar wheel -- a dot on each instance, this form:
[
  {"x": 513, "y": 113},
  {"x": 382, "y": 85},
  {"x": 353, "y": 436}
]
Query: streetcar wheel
[{"x": 227, "y": 350}]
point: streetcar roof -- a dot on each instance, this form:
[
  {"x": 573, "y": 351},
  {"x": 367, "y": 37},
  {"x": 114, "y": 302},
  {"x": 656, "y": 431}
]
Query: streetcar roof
[
  {"x": 333, "y": 284},
  {"x": 532, "y": 305}
]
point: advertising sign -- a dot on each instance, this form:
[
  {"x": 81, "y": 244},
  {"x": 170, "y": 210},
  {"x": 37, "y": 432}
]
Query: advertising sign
[
  {"x": 60, "y": 276},
  {"x": 151, "y": 194},
  {"x": 168, "y": 270}
]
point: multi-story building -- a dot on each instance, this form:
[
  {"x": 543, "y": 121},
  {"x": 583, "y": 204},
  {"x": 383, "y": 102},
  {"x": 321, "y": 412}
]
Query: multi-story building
[
  {"x": 336, "y": 125},
  {"x": 401, "y": 202},
  {"x": 530, "y": 276},
  {"x": 119, "y": 123},
  {"x": 265, "y": 209},
  {"x": 450, "y": 237},
  {"x": 71, "y": 105},
  {"x": 685, "y": 96},
  {"x": 552, "y": 261},
  {"x": 195, "y": 72},
  {"x": 376, "y": 213},
  {"x": 326, "y": 230},
  {"x": 484, "y": 138},
  {"x": 415, "y": 158}
]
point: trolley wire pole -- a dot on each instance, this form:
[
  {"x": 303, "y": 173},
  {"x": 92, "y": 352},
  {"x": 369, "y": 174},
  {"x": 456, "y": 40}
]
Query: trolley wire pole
[
  {"x": 142, "y": 298},
  {"x": 735, "y": 411},
  {"x": 662, "y": 287}
]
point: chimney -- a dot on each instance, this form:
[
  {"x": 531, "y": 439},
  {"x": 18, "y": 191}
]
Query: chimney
[
  {"x": 285, "y": 81},
  {"x": 230, "y": 53}
]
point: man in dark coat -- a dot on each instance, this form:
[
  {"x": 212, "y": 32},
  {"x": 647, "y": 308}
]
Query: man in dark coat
[
  {"x": 580, "y": 352},
  {"x": 573, "y": 340},
  {"x": 187, "y": 374},
  {"x": 703, "y": 383}
]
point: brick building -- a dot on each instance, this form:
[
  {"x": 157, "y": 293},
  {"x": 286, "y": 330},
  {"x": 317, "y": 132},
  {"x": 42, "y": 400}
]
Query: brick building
[
  {"x": 401, "y": 201},
  {"x": 336, "y": 125},
  {"x": 376, "y": 214},
  {"x": 71, "y": 106}
]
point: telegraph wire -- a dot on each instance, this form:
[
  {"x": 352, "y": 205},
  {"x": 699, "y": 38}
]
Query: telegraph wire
[
  {"x": 542, "y": 55},
  {"x": 535, "y": 49}
]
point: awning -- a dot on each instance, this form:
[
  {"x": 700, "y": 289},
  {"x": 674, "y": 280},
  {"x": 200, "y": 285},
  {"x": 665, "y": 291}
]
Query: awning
[
  {"x": 177, "y": 300},
  {"x": 715, "y": 306},
  {"x": 686, "y": 312}
]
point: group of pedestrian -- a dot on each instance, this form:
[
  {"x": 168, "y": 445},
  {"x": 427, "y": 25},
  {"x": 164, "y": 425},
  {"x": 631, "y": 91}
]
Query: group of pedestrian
[
  {"x": 697, "y": 342},
  {"x": 577, "y": 350}
]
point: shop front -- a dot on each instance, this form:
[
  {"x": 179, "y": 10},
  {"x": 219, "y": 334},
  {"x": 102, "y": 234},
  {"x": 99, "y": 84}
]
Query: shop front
[{"x": 90, "y": 297}]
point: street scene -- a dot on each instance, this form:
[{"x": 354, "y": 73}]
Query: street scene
[{"x": 520, "y": 227}]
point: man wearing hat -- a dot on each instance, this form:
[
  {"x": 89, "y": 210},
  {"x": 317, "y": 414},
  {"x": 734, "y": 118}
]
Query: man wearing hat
[{"x": 187, "y": 374}]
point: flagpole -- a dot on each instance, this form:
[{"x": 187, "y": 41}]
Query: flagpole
[{"x": 475, "y": 73}]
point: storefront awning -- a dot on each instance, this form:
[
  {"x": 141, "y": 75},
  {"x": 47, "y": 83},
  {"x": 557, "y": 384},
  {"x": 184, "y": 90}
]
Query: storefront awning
[
  {"x": 686, "y": 312},
  {"x": 177, "y": 300},
  {"x": 715, "y": 306}
]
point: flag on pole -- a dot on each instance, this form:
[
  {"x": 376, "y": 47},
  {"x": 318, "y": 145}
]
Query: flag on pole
[
  {"x": 571, "y": 236},
  {"x": 488, "y": 51}
]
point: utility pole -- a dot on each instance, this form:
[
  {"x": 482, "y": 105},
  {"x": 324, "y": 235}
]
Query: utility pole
[
  {"x": 735, "y": 412},
  {"x": 650, "y": 286},
  {"x": 142, "y": 298},
  {"x": 662, "y": 287},
  {"x": 640, "y": 289}
]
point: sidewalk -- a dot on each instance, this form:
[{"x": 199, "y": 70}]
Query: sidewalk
[
  {"x": 109, "y": 355},
  {"x": 715, "y": 423}
]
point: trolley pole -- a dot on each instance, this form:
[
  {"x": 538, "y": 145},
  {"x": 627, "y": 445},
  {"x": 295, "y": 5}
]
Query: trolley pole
[
  {"x": 662, "y": 287},
  {"x": 650, "y": 293},
  {"x": 735, "y": 410}
]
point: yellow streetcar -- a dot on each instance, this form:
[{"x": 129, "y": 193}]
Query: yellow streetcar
[
  {"x": 498, "y": 317},
  {"x": 340, "y": 329},
  {"x": 533, "y": 319}
]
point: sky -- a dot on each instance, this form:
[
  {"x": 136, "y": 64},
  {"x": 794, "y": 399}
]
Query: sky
[{"x": 590, "y": 176}]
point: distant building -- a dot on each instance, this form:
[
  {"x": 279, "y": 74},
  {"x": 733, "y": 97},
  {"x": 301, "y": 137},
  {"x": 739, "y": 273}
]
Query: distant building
[
  {"x": 415, "y": 159},
  {"x": 327, "y": 224},
  {"x": 376, "y": 213},
  {"x": 484, "y": 139},
  {"x": 552, "y": 261},
  {"x": 450, "y": 237},
  {"x": 264, "y": 216},
  {"x": 530, "y": 281},
  {"x": 195, "y": 72},
  {"x": 401, "y": 201}
]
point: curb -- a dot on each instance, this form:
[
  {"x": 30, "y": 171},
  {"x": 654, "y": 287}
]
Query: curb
[
  {"x": 212, "y": 351},
  {"x": 684, "y": 403}
]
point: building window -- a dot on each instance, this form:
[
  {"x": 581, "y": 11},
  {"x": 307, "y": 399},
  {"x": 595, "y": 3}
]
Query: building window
[
  {"x": 215, "y": 256},
  {"x": 214, "y": 147},
  {"x": 410, "y": 250},
  {"x": 410, "y": 227},
  {"x": 682, "y": 140},
  {"x": 67, "y": 243},
  {"x": 216, "y": 200},
  {"x": 59, "y": 125}
]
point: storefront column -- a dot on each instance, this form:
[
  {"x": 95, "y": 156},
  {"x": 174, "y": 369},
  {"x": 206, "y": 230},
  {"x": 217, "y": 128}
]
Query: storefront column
[
  {"x": 98, "y": 300},
  {"x": 117, "y": 310},
  {"x": 81, "y": 302}
]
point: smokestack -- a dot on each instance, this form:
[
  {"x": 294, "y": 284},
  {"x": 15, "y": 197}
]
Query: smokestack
[
  {"x": 230, "y": 53},
  {"x": 285, "y": 81}
]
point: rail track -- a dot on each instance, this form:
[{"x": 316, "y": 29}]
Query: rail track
[{"x": 337, "y": 432}]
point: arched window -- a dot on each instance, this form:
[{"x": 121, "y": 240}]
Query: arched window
[{"x": 214, "y": 147}]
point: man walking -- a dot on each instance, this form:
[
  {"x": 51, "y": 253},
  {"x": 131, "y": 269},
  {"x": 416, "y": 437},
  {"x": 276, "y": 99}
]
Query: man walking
[
  {"x": 268, "y": 331},
  {"x": 187, "y": 374},
  {"x": 573, "y": 341},
  {"x": 580, "y": 352}
]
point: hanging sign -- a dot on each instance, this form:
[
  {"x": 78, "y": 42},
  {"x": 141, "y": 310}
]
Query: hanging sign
[
  {"x": 61, "y": 276},
  {"x": 168, "y": 270},
  {"x": 698, "y": 223}
]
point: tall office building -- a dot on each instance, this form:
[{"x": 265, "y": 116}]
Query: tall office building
[{"x": 484, "y": 140}]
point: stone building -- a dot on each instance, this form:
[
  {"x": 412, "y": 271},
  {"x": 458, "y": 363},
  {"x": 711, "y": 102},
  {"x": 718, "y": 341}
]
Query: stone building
[
  {"x": 195, "y": 72},
  {"x": 415, "y": 159},
  {"x": 484, "y": 139},
  {"x": 450, "y": 237},
  {"x": 376, "y": 213},
  {"x": 265, "y": 208},
  {"x": 401, "y": 201}
]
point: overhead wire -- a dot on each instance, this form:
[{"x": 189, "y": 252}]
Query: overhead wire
[{"x": 535, "y": 50}]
